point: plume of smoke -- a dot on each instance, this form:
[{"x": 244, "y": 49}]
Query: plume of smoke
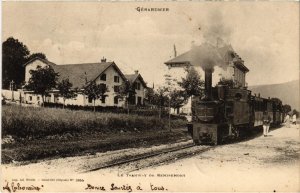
[
  {"x": 217, "y": 31},
  {"x": 206, "y": 56}
]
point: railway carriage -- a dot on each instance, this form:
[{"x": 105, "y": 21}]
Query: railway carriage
[{"x": 278, "y": 115}]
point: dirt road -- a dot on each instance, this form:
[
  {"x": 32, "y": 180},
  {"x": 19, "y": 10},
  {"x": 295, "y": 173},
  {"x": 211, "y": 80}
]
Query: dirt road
[{"x": 260, "y": 164}]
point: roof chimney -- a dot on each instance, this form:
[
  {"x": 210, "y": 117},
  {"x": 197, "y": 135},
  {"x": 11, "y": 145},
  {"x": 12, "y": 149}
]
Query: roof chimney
[
  {"x": 175, "y": 51},
  {"x": 103, "y": 59},
  {"x": 136, "y": 71}
]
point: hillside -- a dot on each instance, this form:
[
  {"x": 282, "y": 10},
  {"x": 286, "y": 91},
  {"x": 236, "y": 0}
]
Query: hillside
[{"x": 288, "y": 92}]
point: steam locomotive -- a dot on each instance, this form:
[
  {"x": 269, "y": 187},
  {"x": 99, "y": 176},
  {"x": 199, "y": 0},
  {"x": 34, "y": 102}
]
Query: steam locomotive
[{"x": 228, "y": 112}]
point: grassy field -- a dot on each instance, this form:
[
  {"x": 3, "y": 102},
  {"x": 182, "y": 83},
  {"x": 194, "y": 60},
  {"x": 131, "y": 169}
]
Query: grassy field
[{"x": 45, "y": 133}]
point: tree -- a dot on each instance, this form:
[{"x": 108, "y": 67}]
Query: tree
[
  {"x": 161, "y": 98},
  {"x": 192, "y": 83},
  {"x": 149, "y": 95},
  {"x": 286, "y": 108},
  {"x": 177, "y": 99},
  {"x": 95, "y": 91},
  {"x": 42, "y": 80},
  {"x": 65, "y": 90},
  {"x": 37, "y": 55},
  {"x": 14, "y": 56},
  {"x": 125, "y": 92}
]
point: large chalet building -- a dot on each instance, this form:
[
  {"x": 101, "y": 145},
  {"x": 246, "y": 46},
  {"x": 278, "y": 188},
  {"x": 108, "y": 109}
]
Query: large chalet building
[
  {"x": 104, "y": 72},
  {"x": 223, "y": 59}
]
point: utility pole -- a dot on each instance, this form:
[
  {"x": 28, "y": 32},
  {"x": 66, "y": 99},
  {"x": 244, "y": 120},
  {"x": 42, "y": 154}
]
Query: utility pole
[
  {"x": 168, "y": 80},
  {"x": 12, "y": 90},
  {"x": 169, "y": 113}
]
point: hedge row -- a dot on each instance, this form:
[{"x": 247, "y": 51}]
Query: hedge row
[
  {"x": 37, "y": 122},
  {"x": 138, "y": 110}
]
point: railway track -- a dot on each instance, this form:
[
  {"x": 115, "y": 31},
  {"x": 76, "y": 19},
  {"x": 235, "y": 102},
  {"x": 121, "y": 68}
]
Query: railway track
[
  {"x": 176, "y": 156},
  {"x": 173, "y": 153}
]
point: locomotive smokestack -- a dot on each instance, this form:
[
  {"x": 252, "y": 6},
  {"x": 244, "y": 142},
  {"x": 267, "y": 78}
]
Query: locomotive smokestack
[{"x": 208, "y": 83}]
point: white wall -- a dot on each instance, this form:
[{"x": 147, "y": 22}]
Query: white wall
[
  {"x": 109, "y": 101},
  {"x": 32, "y": 66},
  {"x": 179, "y": 73},
  {"x": 11, "y": 95},
  {"x": 140, "y": 93}
]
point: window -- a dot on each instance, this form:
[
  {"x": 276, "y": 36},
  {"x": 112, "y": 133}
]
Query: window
[
  {"x": 90, "y": 100},
  {"x": 139, "y": 101},
  {"x": 38, "y": 98},
  {"x": 103, "y": 77},
  {"x": 137, "y": 86},
  {"x": 116, "y": 88},
  {"x": 116, "y": 79},
  {"x": 55, "y": 97},
  {"x": 105, "y": 87},
  {"x": 103, "y": 99},
  {"x": 116, "y": 100},
  {"x": 30, "y": 98}
]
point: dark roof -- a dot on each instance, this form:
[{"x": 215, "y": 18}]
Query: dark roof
[
  {"x": 43, "y": 60},
  {"x": 80, "y": 74},
  {"x": 133, "y": 77},
  {"x": 207, "y": 55},
  {"x": 240, "y": 64},
  {"x": 198, "y": 56}
]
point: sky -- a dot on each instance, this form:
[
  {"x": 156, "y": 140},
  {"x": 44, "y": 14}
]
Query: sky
[{"x": 264, "y": 34}]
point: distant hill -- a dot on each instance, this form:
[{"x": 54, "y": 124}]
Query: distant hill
[{"x": 288, "y": 92}]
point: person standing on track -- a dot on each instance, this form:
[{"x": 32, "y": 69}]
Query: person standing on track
[
  {"x": 266, "y": 123},
  {"x": 189, "y": 124},
  {"x": 287, "y": 120},
  {"x": 294, "y": 119}
]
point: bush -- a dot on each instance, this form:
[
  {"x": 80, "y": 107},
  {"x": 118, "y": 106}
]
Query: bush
[{"x": 33, "y": 122}]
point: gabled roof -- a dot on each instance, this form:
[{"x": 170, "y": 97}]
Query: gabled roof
[
  {"x": 80, "y": 74},
  {"x": 42, "y": 60},
  {"x": 133, "y": 77},
  {"x": 207, "y": 54},
  {"x": 198, "y": 56}
]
